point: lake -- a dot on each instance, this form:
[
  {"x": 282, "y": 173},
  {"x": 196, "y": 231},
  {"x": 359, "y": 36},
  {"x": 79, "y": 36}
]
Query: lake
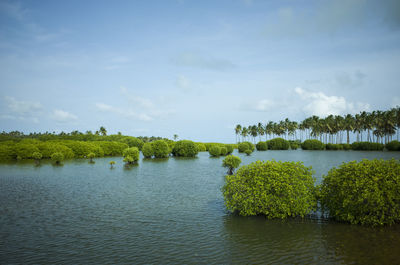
[{"x": 169, "y": 212}]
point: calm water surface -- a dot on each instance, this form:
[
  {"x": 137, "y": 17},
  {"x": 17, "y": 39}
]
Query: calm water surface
[{"x": 169, "y": 212}]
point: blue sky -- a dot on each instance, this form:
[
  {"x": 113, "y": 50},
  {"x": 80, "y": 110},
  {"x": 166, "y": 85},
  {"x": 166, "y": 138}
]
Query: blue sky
[{"x": 193, "y": 68}]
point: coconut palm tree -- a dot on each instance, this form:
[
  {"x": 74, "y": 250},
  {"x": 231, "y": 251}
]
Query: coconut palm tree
[{"x": 238, "y": 130}]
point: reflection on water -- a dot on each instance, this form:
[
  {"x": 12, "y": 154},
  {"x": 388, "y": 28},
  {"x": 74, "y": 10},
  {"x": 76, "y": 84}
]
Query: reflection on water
[{"x": 168, "y": 211}]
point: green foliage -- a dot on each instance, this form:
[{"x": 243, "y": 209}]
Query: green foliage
[
  {"x": 248, "y": 152},
  {"x": 50, "y": 147},
  {"x": 112, "y": 163},
  {"x": 346, "y": 146},
  {"x": 242, "y": 147},
  {"x": 393, "y": 146},
  {"x": 224, "y": 151},
  {"x": 312, "y": 144},
  {"x": 37, "y": 156},
  {"x": 231, "y": 162},
  {"x": 81, "y": 149},
  {"x": 229, "y": 148},
  {"x": 57, "y": 157},
  {"x": 274, "y": 189},
  {"x": 262, "y": 146},
  {"x": 366, "y": 192},
  {"x": 278, "y": 144},
  {"x": 147, "y": 150},
  {"x": 133, "y": 142},
  {"x": 7, "y": 151},
  {"x": 185, "y": 148},
  {"x": 131, "y": 155},
  {"x": 91, "y": 156},
  {"x": 111, "y": 148},
  {"x": 334, "y": 147},
  {"x": 201, "y": 147},
  {"x": 25, "y": 150},
  {"x": 367, "y": 146},
  {"x": 214, "y": 150},
  {"x": 161, "y": 149},
  {"x": 294, "y": 145}
]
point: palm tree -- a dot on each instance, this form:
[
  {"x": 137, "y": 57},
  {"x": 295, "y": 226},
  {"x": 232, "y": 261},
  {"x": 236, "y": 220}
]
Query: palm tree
[
  {"x": 103, "y": 131},
  {"x": 254, "y": 132},
  {"x": 244, "y": 133},
  {"x": 269, "y": 129},
  {"x": 238, "y": 130},
  {"x": 348, "y": 125}
]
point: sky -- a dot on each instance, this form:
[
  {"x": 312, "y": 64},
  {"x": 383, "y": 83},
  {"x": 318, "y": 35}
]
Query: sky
[{"x": 193, "y": 68}]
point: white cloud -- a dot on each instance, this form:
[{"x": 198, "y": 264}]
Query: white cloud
[
  {"x": 104, "y": 107},
  {"x": 63, "y": 116},
  {"x": 22, "y": 107},
  {"x": 318, "y": 103},
  {"x": 129, "y": 114}
]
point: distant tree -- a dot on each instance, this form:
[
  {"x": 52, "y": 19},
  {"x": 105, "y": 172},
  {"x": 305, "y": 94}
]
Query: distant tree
[
  {"x": 37, "y": 156},
  {"x": 231, "y": 162},
  {"x": 175, "y": 137},
  {"x": 103, "y": 131},
  {"x": 112, "y": 163},
  {"x": 57, "y": 157},
  {"x": 91, "y": 156}
]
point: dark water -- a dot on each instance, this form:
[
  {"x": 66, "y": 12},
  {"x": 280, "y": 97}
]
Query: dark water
[{"x": 169, "y": 212}]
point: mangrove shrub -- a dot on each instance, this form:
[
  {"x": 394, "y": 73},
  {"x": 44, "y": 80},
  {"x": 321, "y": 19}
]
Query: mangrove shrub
[
  {"x": 57, "y": 157},
  {"x": 278, "y": 144},
  {"x": 231, "y": 162},
  {"x": 312, "y": 144},
  {"x": 367, "y": 146},
  {"x": 274, "y": 189},
  {"x": 262, "y": 146},
  {"x": 131, "y": 155},
  {"x": 393, "y": 146},
  {"x": 160, "y": 149},
  {"x": 185, "y": 148},
  {"x": 214, "y": 150},
  {"x": 365, "y": 192},
  {"x": 147, "y": 150},
  {"x": 245, "y": 146}
]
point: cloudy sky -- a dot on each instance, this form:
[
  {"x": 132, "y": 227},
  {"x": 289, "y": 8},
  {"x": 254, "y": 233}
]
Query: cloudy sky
[{"x": 193, "y": 68}]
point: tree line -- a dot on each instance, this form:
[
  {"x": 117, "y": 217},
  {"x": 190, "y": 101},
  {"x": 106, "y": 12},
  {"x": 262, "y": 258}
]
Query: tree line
[{"x": 376, "y": 126}]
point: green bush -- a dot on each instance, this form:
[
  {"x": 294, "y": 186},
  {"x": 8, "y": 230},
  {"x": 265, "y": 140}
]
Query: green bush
[
  {"x": 185, "y": 148},
  {"x": 393, "y": 146},
  {"x": 248, "y": 152},
  {"x": 133, "y": 142},
  {"x": 262, "y": 146},
  {"x": 25, "y": 150},
  {"x": 112, "y": 163},
  {"x": 346, "y": 146},
  {"x": 366, "y": 192},
  {"x": 229, "y": 148},
  {"x": 244, "y": 146},
  {"x": 90, "y": 156},
  {"x": 214, "y": 150},
  {"x": 334, "y": 147},
  {"x": 201, "y": 147},
  {"x": 48, "y": 148},
  {"x": 161, "y": 149},
  {"x": 57, "y": 157},
  {"x": 224, "y": 151},
  {"x": 274, "y": 189},
  {"x": 111, "y": 148},
  {"x": 37, "y": 156},
  {"x": 278, "y": 144},
  {"x": 7, "y": 151},
  {"x": 294, "y": 145},
  {"x": 131, "y": 155},
  {"x": 147, "y": 150},
  {"x": 367, "y": 146},
  {"x": 231, "y": 162},
  {"x": 312, "y": 144}
]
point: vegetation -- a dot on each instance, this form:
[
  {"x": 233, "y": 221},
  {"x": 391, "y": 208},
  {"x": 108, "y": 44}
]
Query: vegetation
[
  {"x": 274, "y": 189},
  {"x": 57, "y": 157},
  {"x": 160, "y": 149},
  {"x": 147, "y": 150},
  {"x": 367, "y": 146},
  {"x": 242, "y": 147},
  {"x": 91, "y": 156},
  {"x": 312, "y": 144},
  {"x": 131, "y": 155},
  {"x": 248, "y": 152},
  {"x": 224, "y": 151},
  {"x": 278, "y": 144},
  {"x": 201, "y": 147},
  {"x": 185, "y": 148},
  {"x": 262, "y": 146},
  {"x": 376, "y": 126},
  {"x": 365, "y": 192},
  {"x": 294, "y": 144},
  {"x": 37, "y": 156},
  {"x": 231, "y": 162},
  {"x": 393, "y": 146},
  {"x": 334, "y": 147},
  {"x": 215, "y": 151},
  {"x": 112, "y": 163}
]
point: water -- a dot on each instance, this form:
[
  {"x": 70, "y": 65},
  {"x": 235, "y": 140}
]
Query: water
[{"x": 170, "y": 212}]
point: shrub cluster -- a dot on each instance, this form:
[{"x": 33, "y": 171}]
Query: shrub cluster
[
  {"x": 312, "y": 144},
  {"x": 231, "y": 162},
  {"x": 367, "y": 146},
  {"x": 262, "y": 146},
  {"x": 220, "y": 149},
  {"x": 242, "y": 147},
  {"x": 393, "y": 146},
  {"x": 334, "y": 147},
  {"x": 147, "y": 150},
  {"x": 278, "y": 144},
  {"x": 294, "y": 145},
  {"x": 274, "y": 189},
  {"x": 201, "y": 147},
  {"x": 366, "y": 192},
  {"x": 131, "y": 155},
  {"x": 185, "y": 148},
  {"x": 160, "y": 149}
]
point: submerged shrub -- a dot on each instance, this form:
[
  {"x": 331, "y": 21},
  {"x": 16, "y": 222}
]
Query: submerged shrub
[
  {"x": 201, "y": 147},
  {"x": 37, "y": 156},
  {"x": 245, "y": 146},
  {"x": 231, "y": 162},
  {"x": 274, "y": 189},
  {"x": 214, "y": 150},
  {"x": 57, "y": 157},
  {"x": 112, "y": 163},
  {"x": 294, "y": 145},
  {"x": 147, "y": 150},
  {"x": 224, "y": 151},
  {"x": 366, "y": 192},
  {"x": 91, "y": 156},
  {"x": 248, "y": 152},
  {"x": 160, "y": 149},
  {"x": 393, "y": 146},
  {"x": 25, "y": 150},
  {"x": 334, "y": 147},
  {"x": 262, "y": 146},
  {"x": 278, "y": 144},
  {"x": 185, "y": 148},
  {"x": 346, "y": 146},
  {"x": 229, "y": 148},
  {"x": 367, "y": 146},
  {"x": 312, "y": 144},
  {"x": 131, "y": 155}
]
